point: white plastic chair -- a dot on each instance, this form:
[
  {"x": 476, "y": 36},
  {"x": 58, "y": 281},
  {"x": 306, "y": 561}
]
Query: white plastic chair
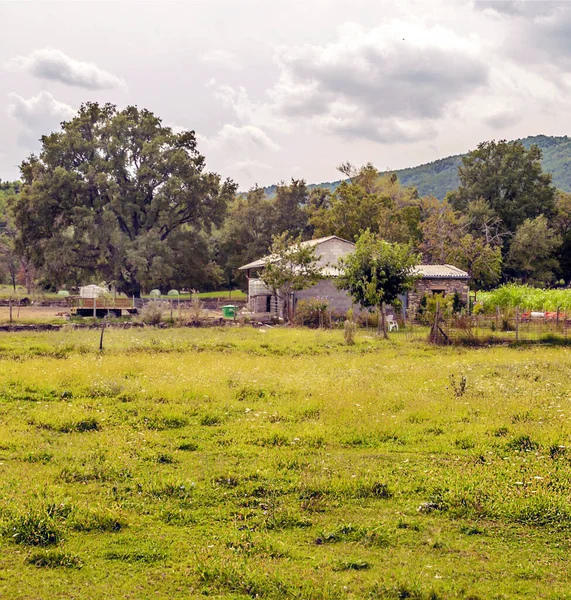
[{"x": 392, "y": 323}]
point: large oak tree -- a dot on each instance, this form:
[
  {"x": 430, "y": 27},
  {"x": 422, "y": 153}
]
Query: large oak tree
[
  {"x": 510, "y": 180},
  {"x": 119, "y": 196}
]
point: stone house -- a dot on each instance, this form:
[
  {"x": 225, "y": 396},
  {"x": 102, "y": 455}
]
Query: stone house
[{"x": 433, "y": 279}]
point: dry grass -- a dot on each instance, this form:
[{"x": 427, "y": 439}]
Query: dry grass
[{"x": 33, "y": 314}]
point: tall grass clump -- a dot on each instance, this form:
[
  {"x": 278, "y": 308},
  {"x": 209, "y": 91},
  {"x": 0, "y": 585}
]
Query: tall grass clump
[
  {"x": 35, "y": 529},
  {"x": 54, "y": 559},
  {"x": 349, "y": 329}
]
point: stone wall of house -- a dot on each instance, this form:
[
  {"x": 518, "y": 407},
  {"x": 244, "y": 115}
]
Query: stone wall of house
[
  {"x": 339, "y": 300},
  {"x": 432, "y": 286}
]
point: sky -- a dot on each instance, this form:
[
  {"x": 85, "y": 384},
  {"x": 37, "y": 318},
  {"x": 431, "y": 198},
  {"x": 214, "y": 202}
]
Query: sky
[{"x": 282, "y": 89}]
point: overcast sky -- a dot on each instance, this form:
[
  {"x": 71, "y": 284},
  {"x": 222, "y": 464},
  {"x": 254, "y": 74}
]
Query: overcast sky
[{"x": 280, "y": 89}]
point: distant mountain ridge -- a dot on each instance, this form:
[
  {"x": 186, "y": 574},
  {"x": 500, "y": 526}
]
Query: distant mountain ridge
[{"x": 441, "y": 176}]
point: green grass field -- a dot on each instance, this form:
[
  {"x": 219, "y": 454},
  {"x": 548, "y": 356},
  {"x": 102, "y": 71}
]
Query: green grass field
[{"x": 276, "y": 463}]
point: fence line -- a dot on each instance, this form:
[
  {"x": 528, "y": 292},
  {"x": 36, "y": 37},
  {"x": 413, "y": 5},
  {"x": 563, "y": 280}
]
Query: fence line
[{"x": 509, "y": 327}]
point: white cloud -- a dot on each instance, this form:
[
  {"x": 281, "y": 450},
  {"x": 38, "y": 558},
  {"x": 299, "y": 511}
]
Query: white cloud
[
  {"x": 54, "y": 65},
  {"x": 517, "y": 8},
  {"x": 221, "y": 58},
  {"x": 38, "y": 115},
  {"x": 243, "y": 139},
  {"x": 250, "y": 166},
  {"x": 402, "y": 69},
  {"x": 388, "y": 83},
  {"x": 261, "y": 114},
  {"x": 502, "y": 118}
]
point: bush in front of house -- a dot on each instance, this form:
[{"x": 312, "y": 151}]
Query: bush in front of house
[{"x": 312, "y": 312}]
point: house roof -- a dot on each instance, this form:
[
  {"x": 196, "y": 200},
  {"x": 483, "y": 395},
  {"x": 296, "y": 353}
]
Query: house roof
[
  {"x": 425, "y": 271},
  {"x": 440, "y": 272},
  {"x": 258, "y": 264}
]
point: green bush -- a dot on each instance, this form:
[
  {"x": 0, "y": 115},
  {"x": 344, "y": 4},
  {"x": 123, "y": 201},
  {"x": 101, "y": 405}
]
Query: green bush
[{"x": 311, "y": 312}]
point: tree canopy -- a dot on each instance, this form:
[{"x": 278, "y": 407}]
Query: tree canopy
[
  {"x": 377, "y": 272},
  {"x": 291, "y": 266},
  {"x": 117, "y": 195},
  {"x": 509, "y": 178},
  {"x": 368, "y": 200}
]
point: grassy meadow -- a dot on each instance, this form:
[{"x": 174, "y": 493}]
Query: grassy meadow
[{"x": 280, "y": 463}]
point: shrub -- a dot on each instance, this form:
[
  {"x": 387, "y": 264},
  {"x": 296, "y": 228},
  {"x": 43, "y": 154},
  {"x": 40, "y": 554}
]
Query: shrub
[
  {"x": 210, "y": 420},
  {"x": 352, "y": 533},
  {"x": 152, "y": 313},
  {"x": 352, "y": 565},
  {"x": 311, "y": 312}
]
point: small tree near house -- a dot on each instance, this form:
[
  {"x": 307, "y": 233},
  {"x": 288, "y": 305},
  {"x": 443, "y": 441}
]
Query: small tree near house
[
  {"x": 291, "y": 267},
  {"x": 377, "y": 273}
]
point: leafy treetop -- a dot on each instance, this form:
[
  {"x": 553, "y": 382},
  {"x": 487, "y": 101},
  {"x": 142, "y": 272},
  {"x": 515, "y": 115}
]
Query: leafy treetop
[
  {"x": 378, "y": 272},
  {"x": 116, "y": 194}
]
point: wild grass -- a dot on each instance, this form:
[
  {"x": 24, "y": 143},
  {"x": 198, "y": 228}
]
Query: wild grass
[
  {"x": 281, "y": 463},
  {"x": 526, "y": 297}
]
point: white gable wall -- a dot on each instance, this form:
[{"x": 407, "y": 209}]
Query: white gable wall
[{"x": 331, "y": 250}]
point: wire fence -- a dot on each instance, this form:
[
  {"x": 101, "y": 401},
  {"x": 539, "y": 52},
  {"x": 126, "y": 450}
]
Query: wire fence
[{"x": 511, "y": 327}]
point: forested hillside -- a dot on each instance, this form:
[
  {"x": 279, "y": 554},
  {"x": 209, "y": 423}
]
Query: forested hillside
[{"x": 441, "y": 176}]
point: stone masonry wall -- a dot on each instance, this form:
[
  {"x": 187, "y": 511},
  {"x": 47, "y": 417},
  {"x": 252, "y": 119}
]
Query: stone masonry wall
[{"x": 430, "y": 286}]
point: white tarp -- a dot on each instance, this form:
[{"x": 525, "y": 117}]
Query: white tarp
[{"x": 92, "y": 291}]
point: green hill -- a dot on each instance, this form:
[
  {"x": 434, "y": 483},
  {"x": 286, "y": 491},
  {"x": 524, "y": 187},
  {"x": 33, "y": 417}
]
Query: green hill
[{"x": 441, "y": 176}]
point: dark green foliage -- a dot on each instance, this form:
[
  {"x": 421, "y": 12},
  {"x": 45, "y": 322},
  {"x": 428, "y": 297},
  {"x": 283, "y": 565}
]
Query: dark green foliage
[
  {"x": 377, "y": 272},
  {"x": 352, "y": 533},
  {"x": 118, "y": 196},
  {"x": 81, "y": 426},
  {"x": 255, "y": 218},
  {"x": 210, "y": 420},
  {"x": 137, "y": 556},
  {"x": 95, "y": 520},
  {"x": 509, "y": 178}
]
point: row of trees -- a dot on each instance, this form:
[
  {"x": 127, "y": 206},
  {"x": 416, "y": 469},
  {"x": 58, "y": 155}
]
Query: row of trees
[{"x": 117, "y": 196}]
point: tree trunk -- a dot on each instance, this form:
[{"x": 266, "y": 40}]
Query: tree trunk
[
  {"x": 29, "y": 276},
  {"x": 384, "y": 321},
  {"x": 131, "y": 289}
]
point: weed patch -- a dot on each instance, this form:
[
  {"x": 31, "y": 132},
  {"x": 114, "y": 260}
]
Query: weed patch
[
  {"x": 35, "y": 529},
  {"x": 522, "y": 443},
  {"x": 54, "y": 559},
  {"x": 353, "y": 533}
]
